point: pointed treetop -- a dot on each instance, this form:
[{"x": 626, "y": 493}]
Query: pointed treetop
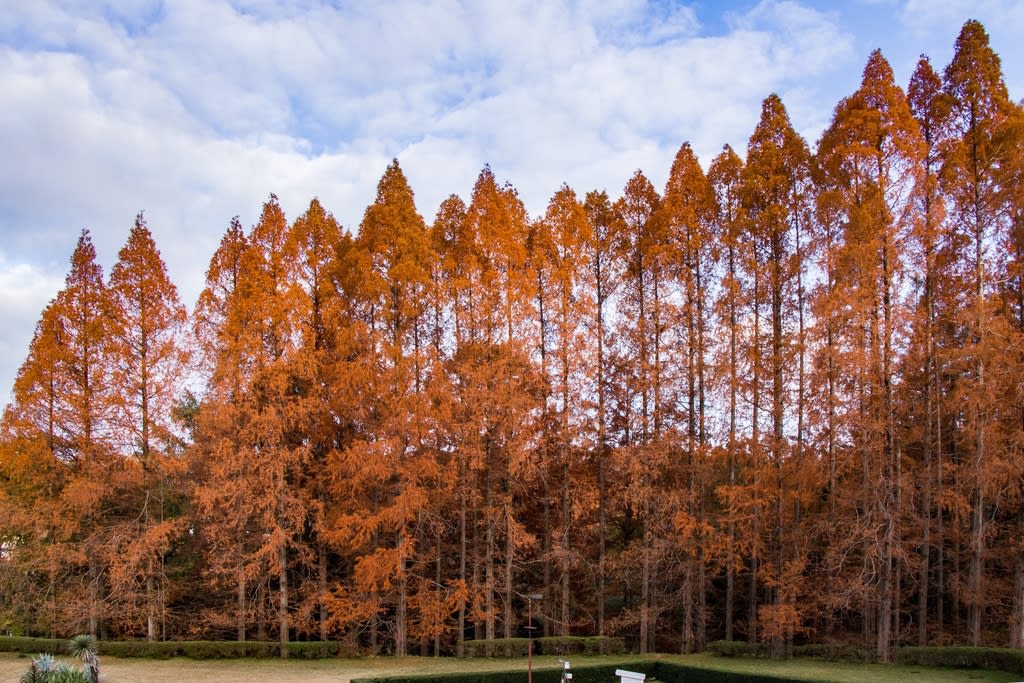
[
  {"x": 974, "y": 77},
  {"x": 928, "y": 103},
  {"x": 83, "y": 260},
  {"x": 394, "y": 186}
]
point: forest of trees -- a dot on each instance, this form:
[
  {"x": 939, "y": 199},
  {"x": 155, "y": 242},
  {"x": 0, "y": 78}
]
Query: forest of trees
[{"x": 781, "y": 401}]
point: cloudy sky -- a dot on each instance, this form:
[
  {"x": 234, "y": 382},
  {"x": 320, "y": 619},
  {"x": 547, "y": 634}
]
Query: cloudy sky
[{"x": 193, "y": 111}]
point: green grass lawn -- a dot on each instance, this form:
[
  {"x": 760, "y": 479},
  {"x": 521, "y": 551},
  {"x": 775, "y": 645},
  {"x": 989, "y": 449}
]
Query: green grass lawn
[{"x": 339, "y": 670}]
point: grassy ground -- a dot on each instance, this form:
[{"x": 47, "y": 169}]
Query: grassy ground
[{"x": 343, "y": 670}]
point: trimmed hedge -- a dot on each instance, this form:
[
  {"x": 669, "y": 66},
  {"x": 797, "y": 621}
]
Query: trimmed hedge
[
  {"x": 499, "y": 647},
  {"x": 581, "y": 674},
  {"x": 663, "y": 671},
  {"x": 552, "y": 645},
  {"x": 826, "y": 651},
  {"x": 961, "y": 657},
  {"x": 738, "y": 648},
  {"x": 678, "y": 673},
  {"x": 194, "y": 649},
  {"x": 33, "y": 646},
  {"x": 589, "y": 645},
  {"x": 835, "y": 653}
]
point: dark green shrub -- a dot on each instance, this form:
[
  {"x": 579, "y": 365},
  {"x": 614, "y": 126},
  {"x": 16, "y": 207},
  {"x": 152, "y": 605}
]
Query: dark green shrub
[
  {"x": 583, "y": 674},
  {"x": 499, "y": 647},
  {"x": 603, "y": 645},
  {"x": 833, "y": 652},
  {"x": 677, "y": 673},
  {"x": 663, "y": 671},
  {"x": 962, "y": 657},
  {"x": 31, "y": 646},
  {"x": 738, "y": 648},
  {"x": 554, "y": 645}
]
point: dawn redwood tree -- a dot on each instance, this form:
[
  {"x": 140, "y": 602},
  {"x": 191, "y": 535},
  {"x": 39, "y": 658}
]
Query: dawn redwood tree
[
  {"x": 871, "y": 155},
  {"x": 62, "y": 417},
  {"x": 933, "y": 251},
  {"x": 603, "y": 273},
  {"x": 1012, "y": 308},
  {"x": 148, "y": 362},
  {"x": 776, "y": 203},
  {"x": 496, "y": 220},
  {"x": 688, "y": 210},
  {"x": 725, "y": 176},
  {"x": 456, "y": 257},
  {"x": 395, "y": 239},
  {"x": 643, "y": 250},
  {"x": 219, "y": 329},
  {"x": 560, "y": 239},
  {"x": 971, "y": 177},
  {"x": 313, "y": 250},
  {"x": 35, "y": 467},
  {"x": 247, "y": 434}
]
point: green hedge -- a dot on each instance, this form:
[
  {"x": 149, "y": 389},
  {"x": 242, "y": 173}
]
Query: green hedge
[
  {"x": 738, "y": 648},
  {"x": 498, "y": 647},
  {"x": 33, "y": 646},
  {"x": 581, "y": 674},
  {"x": 835, "y": 653},
  {"x": 195, "y": 649},
  {"x": 554, "y": 645},
  {"x": 826, "y": 651},
  {"x": 663, "y": 671},
  {"x": 995, "y": 658},
  {"x": 571, "y": 645},
  {"x": 678, "y": 673}
]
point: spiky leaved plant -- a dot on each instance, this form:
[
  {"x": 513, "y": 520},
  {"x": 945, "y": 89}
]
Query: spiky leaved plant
[
  {"x": 83, "y": 647},
  {"x": 46, "y": 669}
]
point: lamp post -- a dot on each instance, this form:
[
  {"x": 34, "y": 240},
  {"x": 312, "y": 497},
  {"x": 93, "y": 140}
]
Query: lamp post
[{"x": 529, "y": 643}]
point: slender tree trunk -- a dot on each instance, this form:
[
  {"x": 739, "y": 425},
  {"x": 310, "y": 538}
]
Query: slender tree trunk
[
  {"x": 460, "y": 649},
  {"x": 283, "y": 598},
  {"x": 401, "y": 609},
  {"x": 240, "y": 596},
  {"x": 1017, "y": 618}
]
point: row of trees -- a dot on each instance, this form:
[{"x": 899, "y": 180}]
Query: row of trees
[{"x": 780, "y": 400}]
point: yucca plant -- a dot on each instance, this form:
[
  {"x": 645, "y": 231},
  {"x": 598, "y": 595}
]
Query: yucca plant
[{"x": 83, "y": 647}]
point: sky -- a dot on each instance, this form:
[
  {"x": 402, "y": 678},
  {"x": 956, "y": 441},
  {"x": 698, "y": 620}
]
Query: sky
[{"x": 194, "y": 111}]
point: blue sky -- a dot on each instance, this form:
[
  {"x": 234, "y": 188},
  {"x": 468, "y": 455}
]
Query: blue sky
[{"x": 195, "y": 110}]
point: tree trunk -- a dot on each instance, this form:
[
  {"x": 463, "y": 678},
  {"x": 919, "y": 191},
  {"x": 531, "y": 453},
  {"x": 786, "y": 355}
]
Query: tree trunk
[{"x": 283, "y": 598}]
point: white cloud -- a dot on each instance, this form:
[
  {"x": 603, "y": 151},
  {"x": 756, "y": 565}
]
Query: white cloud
[
  {"x": 25, "y": 289},
  {"x": 195, "y": 111}
]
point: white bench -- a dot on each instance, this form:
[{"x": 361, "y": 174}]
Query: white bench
[{"x": 630, "y": 676}]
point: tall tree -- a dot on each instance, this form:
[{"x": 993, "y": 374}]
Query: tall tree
[
  {"x": 148, "y": 361},
  {"x": 643, "y": 248},
  {"x": 776, "y": 204},
  {"x": 603, "y": 276},
  {"x": 872, "y": 153},
  {"x": 930, "y": 107},
  {"x": 971, "y": 177},
  {"x": 725, "y": 176},
  {"x": 689, "y": 211}
]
